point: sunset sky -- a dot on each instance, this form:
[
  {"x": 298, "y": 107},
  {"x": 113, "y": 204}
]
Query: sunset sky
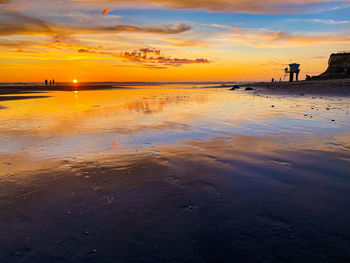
[{"x": 168, "y": 40}]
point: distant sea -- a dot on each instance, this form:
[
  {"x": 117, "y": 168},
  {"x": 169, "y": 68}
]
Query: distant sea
[{"x": 131, "y": 83}]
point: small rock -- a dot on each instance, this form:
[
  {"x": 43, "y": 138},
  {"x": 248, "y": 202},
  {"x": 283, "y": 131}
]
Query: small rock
[
  {"x": 272, "y": 106},
  {"x": 249, "y": 89}
]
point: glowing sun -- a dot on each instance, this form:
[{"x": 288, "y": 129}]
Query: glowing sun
[{"x": 75, "y": 81}]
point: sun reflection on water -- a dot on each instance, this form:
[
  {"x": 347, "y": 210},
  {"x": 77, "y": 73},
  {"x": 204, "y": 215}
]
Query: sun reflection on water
[{"x": 129, "y": 120}]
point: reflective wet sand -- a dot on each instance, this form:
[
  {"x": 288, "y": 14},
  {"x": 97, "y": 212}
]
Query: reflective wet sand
[{"x": 174, "y": 174}]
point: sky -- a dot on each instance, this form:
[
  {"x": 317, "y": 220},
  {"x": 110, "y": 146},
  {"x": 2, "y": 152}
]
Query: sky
[{"x": 168, "y": 40}]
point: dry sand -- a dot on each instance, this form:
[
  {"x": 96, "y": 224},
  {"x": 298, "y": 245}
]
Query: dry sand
[{"x": 333, "y": 87}]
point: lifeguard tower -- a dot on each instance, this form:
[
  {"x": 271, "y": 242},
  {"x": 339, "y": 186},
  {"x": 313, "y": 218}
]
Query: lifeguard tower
[{"x": 293, "y": 68}]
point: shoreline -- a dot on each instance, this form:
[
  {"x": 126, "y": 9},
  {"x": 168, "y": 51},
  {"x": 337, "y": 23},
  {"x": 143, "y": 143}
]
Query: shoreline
[
  {"x": 57, "y": 87},
  {"x": 332, "y": 87}
]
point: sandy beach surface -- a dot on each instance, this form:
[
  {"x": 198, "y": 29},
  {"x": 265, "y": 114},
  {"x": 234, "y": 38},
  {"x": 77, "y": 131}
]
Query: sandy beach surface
[
  {"x": 331, "y": 87},
  {"x": 176, "y": 173}
]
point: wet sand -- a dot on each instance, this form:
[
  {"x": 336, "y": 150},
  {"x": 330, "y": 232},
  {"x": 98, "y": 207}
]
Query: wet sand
[
  {"x": 210, "y": 204},
  {"x": 23, "y": 89},
  {"x": 332, "y": 87},
  {"x": 174, "y": 175}
]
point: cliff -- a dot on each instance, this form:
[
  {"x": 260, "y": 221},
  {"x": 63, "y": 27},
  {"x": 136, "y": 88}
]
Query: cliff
[{"x": 338, "y": 67}]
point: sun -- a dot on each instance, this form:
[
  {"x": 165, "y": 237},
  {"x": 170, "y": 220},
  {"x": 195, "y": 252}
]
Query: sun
[{"x": 75, "y": 81}]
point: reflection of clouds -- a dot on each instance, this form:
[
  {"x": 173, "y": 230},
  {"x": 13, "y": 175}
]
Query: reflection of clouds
[
  {"x": 156, "y": 104},
  {"x": 264, "y": 157},
  {"x": 263, "y": 154},
  {"x": 63, "y": 126},
  {"x": 144, "y": 107},
  {"x": 116, "y": 118}
]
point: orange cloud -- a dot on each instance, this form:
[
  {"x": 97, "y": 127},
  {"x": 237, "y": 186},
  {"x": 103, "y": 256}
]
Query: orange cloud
[
  {"x": 149, "y": 57},
  {"x": 62, "y": 41},
  {"x": 12, "y": 7},
  {"x": 106, "y": 11}
]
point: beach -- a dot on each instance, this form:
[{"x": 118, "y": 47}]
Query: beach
[
  {"x": 170, "y": 131},
  {"x": 330, "y": 87},
  {"x": 175, "y": 173}
]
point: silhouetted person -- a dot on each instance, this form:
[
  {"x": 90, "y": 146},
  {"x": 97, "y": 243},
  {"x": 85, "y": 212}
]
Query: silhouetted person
[
  {"x": 53, "y": 82},
  {"x": 46, "y": 82},
  {"x": 273, "y": 80},
  {"x": 280, "y": 79},
  {"x": 50, "y": 82}
]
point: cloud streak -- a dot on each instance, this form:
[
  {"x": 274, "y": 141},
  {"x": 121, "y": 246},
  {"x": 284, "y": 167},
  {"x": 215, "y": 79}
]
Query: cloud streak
[
  {"x": 231, "y": 6},
  {"x": 16, "y": 23},
  {"x": 269, "y": 38},
  {"x": 12, "y": 23},
  {"x": 330, "y": 21}
]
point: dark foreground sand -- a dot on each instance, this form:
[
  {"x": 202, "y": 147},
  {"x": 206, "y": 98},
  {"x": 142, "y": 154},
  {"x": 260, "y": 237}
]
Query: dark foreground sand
[{"x": 215, "y": 202}]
